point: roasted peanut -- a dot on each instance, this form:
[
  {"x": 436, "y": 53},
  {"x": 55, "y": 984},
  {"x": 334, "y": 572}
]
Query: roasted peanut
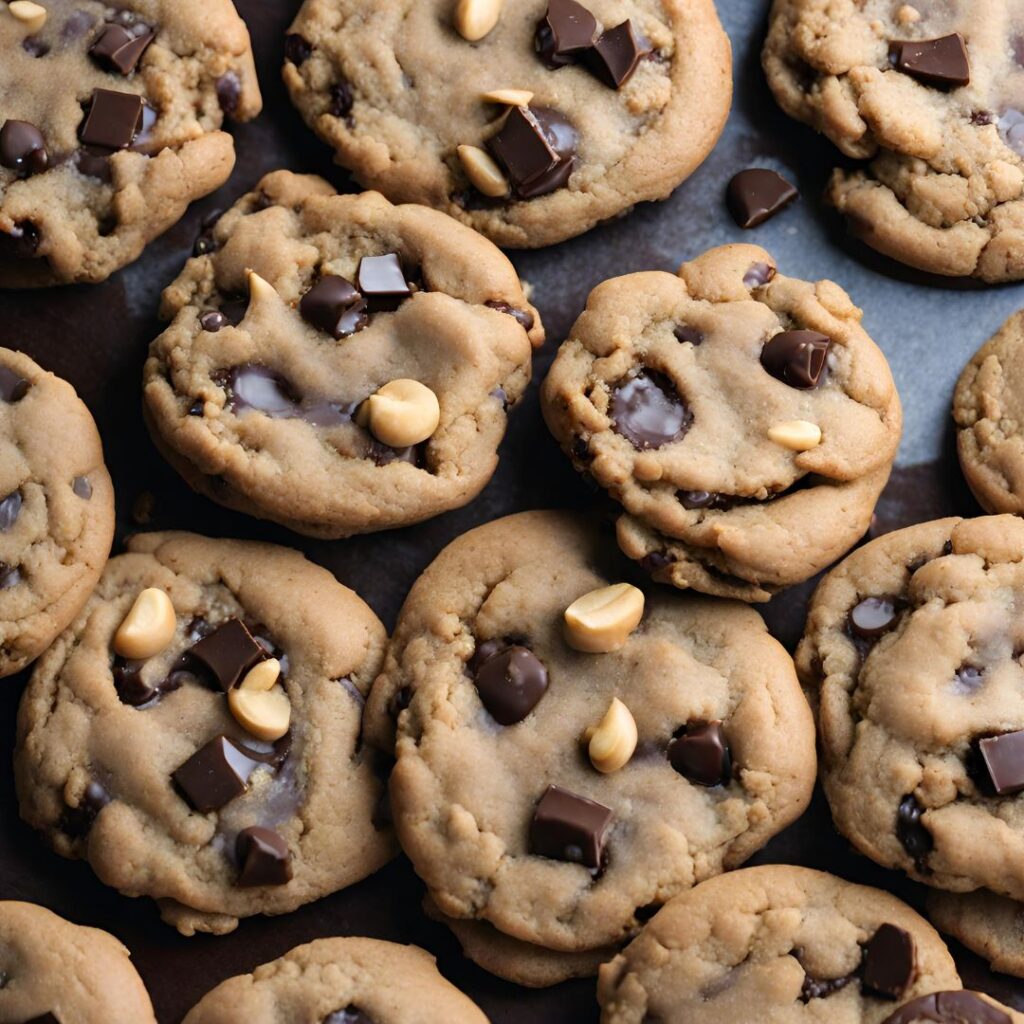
[
  {"x": 259, "y": 706},
  {"x": 31, "y": 15},
  {"x": 508, "y": 97},
  {"x": 262, "y": 676},
  {"x": 483, "y": 173},
  {"x": 611, "y": 743},
  {"x": 602, "y": 620},
  {"x": 148, "y": 627},
  {"x": 475, "y": 18},
  {"x": 797, "y": 435},
  {"x": 402, "y": 413}
]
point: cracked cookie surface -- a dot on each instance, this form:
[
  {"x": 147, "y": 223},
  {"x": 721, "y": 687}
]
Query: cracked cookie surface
[
  {"x": 471, "y": 796},
  {"x": 943, "y": 188},
  {"x": 256, "y": 394},
  {"x": 395, "y": 90},
  {"x": 683, "y": 397},
  {"x": 105, "y": 742},
  {"x": 112, "y": 126},
  {"x": 56, "y": 508}
]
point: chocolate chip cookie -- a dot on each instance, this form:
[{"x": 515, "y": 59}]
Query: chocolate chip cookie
[
  {"x": 932, "y": 97},
  {"x": 52, "y": 971},
  {"x": 990, "y": 925},
  {"x": 56, "y": 508},
  {"x": 338, "y": 364},
  {"x": 913, "y": 657},
  {"x": 777, "y": 945},
  {"x": 111, "y": 126},
  {"x": 340, "y": 981},
  {"x": 988, "y": 409},
  {"x": 195, "y": 734},
  {"x": 571, "y": 753},
  {"x": 744, "y": 420},
  {"x": 530, "y": 121}
]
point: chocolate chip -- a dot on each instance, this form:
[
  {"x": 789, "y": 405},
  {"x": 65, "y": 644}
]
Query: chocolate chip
[
  {"x": 797, "y": 358},
  {"x": 911, "y": 832},
  {"x": 10, "y": 507},
  {"x": 617, "y": 54},
  {"x": 756, "y": 194},
  {"x": 968, "y": 679},
  {"x": 940, "y": 62},
  {"x": 234, "y": 308},
  {"x": 511, "y": 683},
  {"x": 34, "y": 47},
  {"x": 758, "y": 275},
  {"x": 890, "y": 962},
  {"x": 214, "y": 775},
  {"x": 23, "y": 148},
  {"x": 688, "y": 335},
  {"x": 872, "y": 617},
  {"x": 297, "y": 49},
  {"x": 82, "y": 487},
  {"x": 382, "y": 282},
  {"x": 350, "y": 1015},
  {"x": 1011, "y": 128},
  {"x": 342, "y": 100},
  {"x": 569, "y": 827},
  {"x": 229, "y": 92},
  {"x": 698, "y": 500},
  {"x": 648, "y": 411},
  {"x": 77, "y": 821},
  {"x": 949, "y": 1008},
  {"x": 228, "y": 652},
  {"x": 213, "y": 321},
  {"x": 143, "y": 133},
  {"x": 252, "y": 386},
  {"x": 1003, "y": 759},
  {"x": 119, "y": 49},
  {"x": 93, "y": 163},
  {"x": 822, "y": 988},
  {"x": 655, "y": 561},
  {"x": 134, "y": 691},
  {"x": 522, "y": 316},
  {"x": 10, "y": 576},
  {"x": 701, "y": 754},
  {"x": 334, "y": 305},
  {"x": 263, "y": 857},
  {"x": 565, "y": 33},
  {"x": 537, "y": 147},
  {"x": 113, "y": 119},
  {"x": 13, "y": 387}
]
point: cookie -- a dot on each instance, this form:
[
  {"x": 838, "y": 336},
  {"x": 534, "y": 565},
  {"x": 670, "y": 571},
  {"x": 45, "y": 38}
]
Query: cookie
[
  {"x": 56, "y": 508},
  {"x": 570, "y": 756},
  {"x": 929, "y": 96},
  {"x": 744, "y": 420},
  {"x": 111, "y": 126},
  {"x": 55, "y": 971},
  {"x": 988, "y": 411},
  {"x": 912, "y": 656},
  {"x": 776, "y": 945},
  {"x": 340, "y": 981},
  {"x": 990, "y": 925},
  {"x": 548, "y": 119},
  {"x": 357, "y": 379},
  {"x": 195, "y": 734}
]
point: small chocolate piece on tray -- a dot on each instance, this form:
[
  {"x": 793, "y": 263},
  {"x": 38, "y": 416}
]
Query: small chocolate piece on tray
[
  {"x": 569, "y": 827},
  {"x": 756, "y": 194}
]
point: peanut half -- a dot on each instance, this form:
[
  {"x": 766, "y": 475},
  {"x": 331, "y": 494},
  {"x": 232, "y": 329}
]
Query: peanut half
[
  {"x": 148, "y": 627},
  {"x": 602, "y": 620},
  {"x": 612, "y": 742},
  {"x": 403, "y": 413},
  {"x": 483, "y": 173},
  {"x": 260, "y": 706},
  {"x": 475, "y": 18},
  {"x": 508, "y": 97},
  {"x": 31, "y": 15},
  {"x": 797, "y": 435}
]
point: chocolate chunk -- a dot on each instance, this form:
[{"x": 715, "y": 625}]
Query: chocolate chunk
[
  {"x": 342, "y": 100},
  {"x": 701, "y": 754},
  {"x": 252, "y": 386},
  {"x": 565, "y": 33},
  {"x": 569, "y": 827},
  {"x": 537, "y": 147},
  {"x": 872, "y": 617},
  {"x": 113, "y": 119},
  {"x": 297, "y": 49},
  {"x": 134, "y": 691},
  {"x": 648, "y": 412},
  {"x": 263, "y": 858},
  {"x": 382, "y": 282},
  {"x": 1011, "y": 128},
  {"x": 12, "y": 387},
  {"x": 940, "y": 62},
  {"x": 20, "y": 244},
  {"x": 23, "y": 148},
  {"x": 10, "y": 576},
  {"x": 822, "y": 988},
  {"x": 890, "y": 962},
  {"x": 76, "y": 821},
  {"x": 1003, "y": 758},
  {"x": 143, "y": 133},
  {"x": 968, "y": 679},
  {"x": 10, "y": 507},
  {"x": 234, "y": 308},
  {"x": 228, "y": 652},
  {"x": 213, "y": 321},
  {"x": 119, "y": 49},
  {"x": 756, "y": 194},
  {"x": 758, "y": 275},
  {"x": 522, "y": 316},
  {"x": 797, "y": 358},
  {"x": 34, "y": 47},
  {"x": 911, "y": 832},
  {"x": 93, "y": 163},
  {"x": 334, "y": 305},
  {"x": 214, "y": 775},
  {"x": 949, "y": 1008},
  {"x": 350, "y": 1015},
  {"x": 617, "y": 54},
  {"x": 82, "y": 487},
  {"x": 511, "y": 683},
  {"x": 688, "y": 335},
  {"x": 229, "y": 92}
]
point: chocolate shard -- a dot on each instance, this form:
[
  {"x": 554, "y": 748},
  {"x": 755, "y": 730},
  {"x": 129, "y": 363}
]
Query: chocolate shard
[
  {"x": 872, "y": 617},
  {"x": 890, "y": 962},
  {"x": 940, "y": 62},
  {"x": 381, "y": 280},
  {"x": 335, "y": 306},
  {"x": 617, "y": 54},
  {"x": 522, "y": 316},
  {"x": 113, "y": 119},
  {"x": 569, "y": 827},
  {"x": 214, "y": 775},
  {"x": 228, "y": 652},
  {"x": 263, "y": 858},
  {"x": 23, "y": 148},
  {"x": 537, "y": 148},
  {"x": 797, "y": 358},
  {"x": 565, "y": 33},
  {"x": 511, "y": 683},
  {"x": 1003, "y": 758},
  {"x": 949, "y": 1008},
  {"x": 701, "y": 754},
  {"x": 119, "y": 49},
  {"x": 648, "y": 411},
  {"x": 13, "y": 387},
  {"x": 756, "y": 194}
]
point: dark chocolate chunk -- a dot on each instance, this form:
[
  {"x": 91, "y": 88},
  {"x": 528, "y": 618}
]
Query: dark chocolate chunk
[
  {"x": 214, "y": 775},
  {"x": 569, "y": 827},
  {"x": 263, "y": 858},
  {"x": 756, "y": 194},
  {"x": 911, "y": 832},
  {"x": 537, "y": 147},
  {"x": 797, "y": 358},
  {"x": 872, "y": 617},
  {"x": 949, "y": 1008},
  {"x": 511, "y": 683},
  {"x": 334, "y": 305},
  {"x": 229, "y": 92},
  {"x": 228, "y": 652},
  {"x": 350, "y": 1015},
  {"x": 134, "y": 691},
  {"x": 1003, "y": 758},
  {"x": 701, "y": 754},
  {"x": 93, "y": 163},
  {"x": 213, "y": 321},
  {"x": 382, "y": 282},
  {"x": 822, "y": 988},
  {"x": 23, "y": 148},
  {"x": 940, "y": 62},
  {"x": 648, "y": 411},
  {"x": 686, "y": 334},
  {"x": 252, "y": 386},
  {"x": 10, "y": 576},
  {"x": 76, "y": 821},
  {"x": 82, "y": 487},
  {"x": 695, "y": 500},
  {"x": 10, "y": 508},
  {"x": 890, "y": 962},
  {"x": 143, "y": 132},
  {"x": 1011, "y": 128},
  {"x": 565, "y": 33},
  {"x": 297, "y": 49},
  {"x": 758, "y": 274},
  {"x": 113, "y": 119},
  {"x": 617, "y": 54},
  {"x": 34, "y": 47},
  {"x": 12, "y": 387},
  {"x": 523, "y": 316},
  {"x": 234, "y": 308},
  {"x": 968, "y": 679},
  {"x": 119, "y": 49},
  {"x": 20, "y": 244},
  {"x": 342, "y": 100}
]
